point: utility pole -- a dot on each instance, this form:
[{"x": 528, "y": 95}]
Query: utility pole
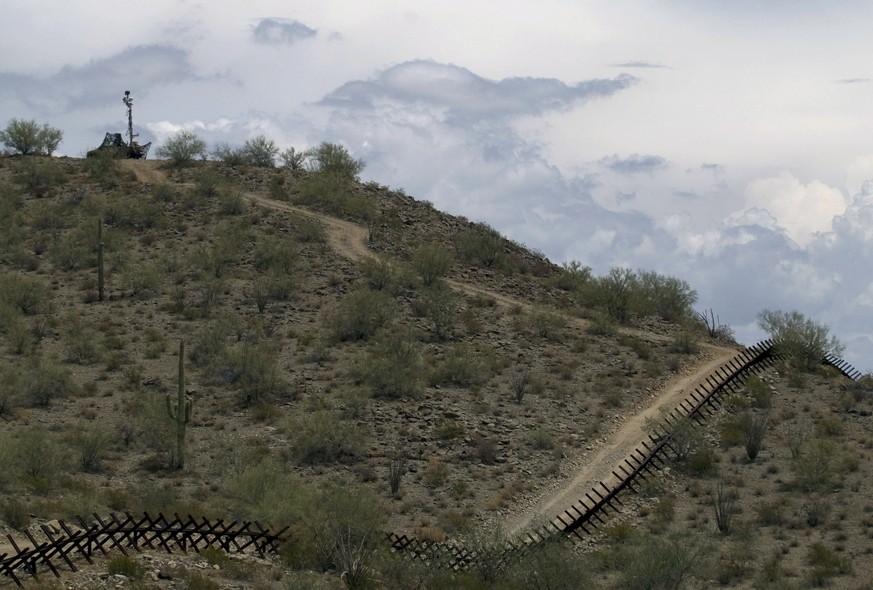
[{"x": 129, "y": 102}]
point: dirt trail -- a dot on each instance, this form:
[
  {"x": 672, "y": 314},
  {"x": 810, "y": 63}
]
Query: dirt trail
[
  {"x": 597, "y": 466},
  {"x": 350, "y": 241}
]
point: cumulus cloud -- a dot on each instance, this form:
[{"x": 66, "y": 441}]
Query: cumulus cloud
[
  {"x": 278, "y": 31},
  {"x": 461, "y": 96},
  {"x": 803, "y": 210},
  {"x": 99, "y": 81},
  {"x": 634, "y": 164}
]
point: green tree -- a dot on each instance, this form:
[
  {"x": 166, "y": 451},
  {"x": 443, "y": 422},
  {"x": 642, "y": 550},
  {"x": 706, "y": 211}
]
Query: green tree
[
  {"x": 293, "y": 159},
  {"x": 805, "y": 342},
  {"x": 28, "y": 137},
  {"x": 333, "y": 158},
  {"x": 182, "y": 148},
  {"x": 260, "y": 151},
  {"x": 671, "y": 298}
]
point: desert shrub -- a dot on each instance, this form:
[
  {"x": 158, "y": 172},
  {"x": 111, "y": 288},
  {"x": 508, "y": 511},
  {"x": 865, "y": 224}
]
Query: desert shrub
[
  {"x": 685, "y": 342},
  {"x": 572, "y": 277},
  {"x": 431, "y": 261},
  {"x": 42, "y": 381},
  {"x": 723, "y": 504},
  {"x": 754, "y": 427},
  {"x": 15, "y": 514},
  {"x": 379, "y": 273},
  {"x": 668, "y": 297},
  {"x": 546, "y": 324},
  {"x": 309, "y": 230},
  {"x": 542, "y": 439},
  {"x": 601, "y": 324},
  {"x": 801, "y": 339},
  {"x": 334, "y": 159},
  {"x": 360, "y": 314},
  {"x": 103, "y": 167},
  {"x": 28, "y": 137},
  {"x": 253, "y": 369},
  {"x": 91, "y": 443},
  {"x": 701, "y": 461},
  {"x": 656, "y": 562},
  {"x": 392, "y": 367},
  {"x": 462, "y": 365},
  {"x": 25, "y": 294},
  {"x": 260, "y": 151},
  {"x": 292, "y": 159},
  {"x": 814, "y": 466},
  {"x": 323, "y": 438},
  {"x": 182, "y": 148},
  {"x": 275, "y": 253},
  {"x": 481, "y": 245},
  {"x": 37, "y": 457},
  {"x": 229, "y": 156},
  {"x": 770, "y": 513},
  {"x": 552, "y": 566},
  {"x": 815, "y": 509},
  {"x": 345, "y": 523},
  {"x": 230, "y": 201},
  {"x": 613, "y": 293},
  {"x": 519, "y": 384},
  {"x": 825, "y": 563},
  {"x": 125, "y": 566},
  {"x": 757, "y": 388},
  {"x": 441, "y": 308},
  {"x": 142, "y": 281}
]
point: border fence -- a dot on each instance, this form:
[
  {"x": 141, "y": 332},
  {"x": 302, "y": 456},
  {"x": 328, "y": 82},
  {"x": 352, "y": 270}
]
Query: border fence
[{"x": 65, "y": 543}]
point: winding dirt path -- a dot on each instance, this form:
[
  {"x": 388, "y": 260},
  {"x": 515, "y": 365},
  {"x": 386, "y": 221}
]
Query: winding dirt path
[{"x": 350, "y": 241}]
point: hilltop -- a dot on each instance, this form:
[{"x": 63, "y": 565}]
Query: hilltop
[{"x": 338, "y": 335}]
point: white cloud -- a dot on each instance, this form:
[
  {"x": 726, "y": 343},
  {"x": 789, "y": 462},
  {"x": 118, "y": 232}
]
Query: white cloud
[{"x": 802, "y": 210}]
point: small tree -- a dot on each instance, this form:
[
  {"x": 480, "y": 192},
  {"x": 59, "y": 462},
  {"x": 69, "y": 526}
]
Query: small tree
[
  {"x": 292, "y": 159},
  {"x": 333, "y": 158},
  {"x": 805, "y": 342},
  {"x": 260, "y": 151},
  {"x": 27, "y": 137},
  {"x": 182, "y": 148}
]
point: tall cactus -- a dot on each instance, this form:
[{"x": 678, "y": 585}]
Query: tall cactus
[
  {"x": 100, "y": 260},
  {"x": 180, "y": 412}
]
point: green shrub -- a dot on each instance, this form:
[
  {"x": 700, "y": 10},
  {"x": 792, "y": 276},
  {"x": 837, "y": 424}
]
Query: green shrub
[
  {"x": 27, "y": 137},
  {"x": 431, "y": 261},
  {"x": 825, "y": 564},
  {"x": 441, "y": 308},
  {"x": 463, "y": 366},
  {"x": 182, "y": 148},
  {"x": 37, "y": 457},
  {"x": 360, "y": 314},
  {"x": 125, "y": 566},
  {"x": 260, "y": 151},
  {"x": 801, "y": 339},
  {"x": 253, "y": 369},
  {"x": 91, "y": 444},
  {"x": 334, "y": 159},
  {"x": 325, "y": 439},
  {"x": 275, "y": 253},
  {"x": 43, "y": 381},
  {"x": 481, "y": 245},
  {"x": 380, "y": 274},
  {"x": 392, "y": 367},
  {"x": 572, "y": 277}
]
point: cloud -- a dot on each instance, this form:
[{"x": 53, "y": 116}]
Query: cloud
[
  {"x": 277, "y": 31},
  {"x": 803, "y": 210},
  {"x": 99, "y": 82},
  {"x": 460, "y": 95},
  {"x": 634, "y": 164},
  {"x": 638, "y": 64}
]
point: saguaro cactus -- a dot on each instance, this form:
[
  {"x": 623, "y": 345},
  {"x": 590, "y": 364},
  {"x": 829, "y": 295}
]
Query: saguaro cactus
[
  {"x": 100, "y": 260},
  {"x": 180, "y": 412}
]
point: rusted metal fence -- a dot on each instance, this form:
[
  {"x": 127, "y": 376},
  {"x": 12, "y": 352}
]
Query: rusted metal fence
[{"x": 125, "y": 532}]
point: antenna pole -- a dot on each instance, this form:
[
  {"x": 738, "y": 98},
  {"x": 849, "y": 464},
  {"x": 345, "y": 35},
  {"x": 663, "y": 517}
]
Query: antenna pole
[{"x": 129, "y": 102}]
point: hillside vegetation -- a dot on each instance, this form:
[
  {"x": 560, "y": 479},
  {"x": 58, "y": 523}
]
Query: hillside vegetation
[{"x": 357, "y": 361}]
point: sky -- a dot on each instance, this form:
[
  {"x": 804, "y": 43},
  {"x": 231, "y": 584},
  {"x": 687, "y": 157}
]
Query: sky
[{"x": 729, "y": 144}]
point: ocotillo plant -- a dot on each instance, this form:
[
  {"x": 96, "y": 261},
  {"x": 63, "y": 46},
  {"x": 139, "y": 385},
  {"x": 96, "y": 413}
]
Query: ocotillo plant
[
  {"x": 180, "y": 412},
  {"x": 100, "y": 260}
]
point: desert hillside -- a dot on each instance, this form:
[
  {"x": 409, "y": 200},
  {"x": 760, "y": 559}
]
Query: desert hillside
[{"x": 351, "y": 352}]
